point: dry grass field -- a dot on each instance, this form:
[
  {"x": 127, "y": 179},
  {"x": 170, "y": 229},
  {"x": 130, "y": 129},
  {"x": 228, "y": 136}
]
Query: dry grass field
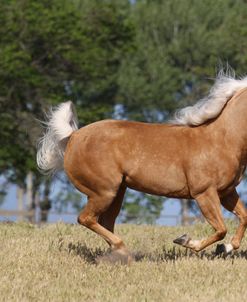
[{"x": 57, "y": 263}]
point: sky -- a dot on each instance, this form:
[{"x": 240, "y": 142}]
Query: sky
[{"x": 171, "y": 207}]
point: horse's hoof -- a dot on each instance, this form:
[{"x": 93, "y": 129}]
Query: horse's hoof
[
  {"x": 116, "y": 257},
  {"x": 182, "y": 240},
  {"x": 223, "y": 249}
]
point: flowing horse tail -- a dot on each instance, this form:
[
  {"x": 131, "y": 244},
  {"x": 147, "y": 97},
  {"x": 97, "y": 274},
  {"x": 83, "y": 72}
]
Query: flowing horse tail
[{"x": 61, "y": 123}]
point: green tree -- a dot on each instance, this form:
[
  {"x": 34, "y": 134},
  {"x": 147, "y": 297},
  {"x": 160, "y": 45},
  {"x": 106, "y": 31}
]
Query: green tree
[
  {"x": 51, "y": 51},
  {"x": 141, "y": 208},
  {"x": 147, "y": 57},
  {"x": 178, "y": 47}
]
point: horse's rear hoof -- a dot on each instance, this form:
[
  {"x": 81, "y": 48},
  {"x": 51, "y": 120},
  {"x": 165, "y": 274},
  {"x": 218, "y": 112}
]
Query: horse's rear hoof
[
  {"x": 223, "y": 249},
  {"x": 122, "y": 257},
  {"x": 182, "y": 240}
]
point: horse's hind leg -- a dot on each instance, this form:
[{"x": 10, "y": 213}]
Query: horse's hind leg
[
  {"x": 107, "y": 219},
  {"x": 233, "y": 204},
  {"x": 210, "y": 207},
  {"x": 96, "y": 206}
]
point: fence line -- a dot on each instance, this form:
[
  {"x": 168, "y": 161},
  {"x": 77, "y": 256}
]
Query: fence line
[
  {"x": 32, "y": 215},
  {"x": 17, "y": 213}
]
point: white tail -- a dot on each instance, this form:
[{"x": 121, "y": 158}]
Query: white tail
[{"x": 62, "y": 121}]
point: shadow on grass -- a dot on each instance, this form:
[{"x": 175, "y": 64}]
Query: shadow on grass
[
  {"x": 90, "y": 255},
  {"x": 87, "y": 254},
  {"x": 175, "y": 254}
]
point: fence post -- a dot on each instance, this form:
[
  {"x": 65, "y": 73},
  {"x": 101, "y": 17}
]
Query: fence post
[
  {"x": 20, "y": 201},
  {"x": 184, "y": 211},
  {"x": 30, "y": 201}
]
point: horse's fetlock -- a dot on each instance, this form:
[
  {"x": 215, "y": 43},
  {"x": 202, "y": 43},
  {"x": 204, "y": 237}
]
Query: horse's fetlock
[
  {"x": 118, "y": 245},
  {"x": 197, "y": 249},
  {"x": 235, "y": 244},
  {"x": 222, "y": 233},
  {"x": 244, "y": 221}
]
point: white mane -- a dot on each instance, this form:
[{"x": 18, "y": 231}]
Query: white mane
[{"x": 226, "y": 85}]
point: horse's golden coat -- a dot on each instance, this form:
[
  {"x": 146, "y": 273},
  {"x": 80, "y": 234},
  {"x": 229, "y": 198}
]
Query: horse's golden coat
[{"x": 205, "y": 162}]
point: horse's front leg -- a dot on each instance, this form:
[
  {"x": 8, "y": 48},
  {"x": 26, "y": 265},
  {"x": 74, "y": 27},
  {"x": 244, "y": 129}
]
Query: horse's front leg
[
  {"x": 209, "y": 204},
  {"x": 233, "y": 204}
]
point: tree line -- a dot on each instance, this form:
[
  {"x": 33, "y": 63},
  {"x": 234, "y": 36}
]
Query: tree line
[{"x": 138, "y": 60}]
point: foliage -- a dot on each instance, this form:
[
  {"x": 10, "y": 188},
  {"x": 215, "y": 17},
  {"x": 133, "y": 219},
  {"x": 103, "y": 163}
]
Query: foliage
[
  {"x": 68, "y": 198},
  {"x": 141, "y": 208},
  {"x": 2, "y": 196},
  {"x": 129, "y": 59},
  {"x": 178, "y": 46},
  {"x": 51, "y": 51}
]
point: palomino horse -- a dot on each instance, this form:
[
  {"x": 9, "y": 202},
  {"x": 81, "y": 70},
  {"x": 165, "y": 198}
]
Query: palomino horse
[{"x": 201, "y": 154}]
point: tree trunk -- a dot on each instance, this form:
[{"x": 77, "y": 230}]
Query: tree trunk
[
  {"x": 30, "y": 199},
  {"x": 184, "y": 211},
  {"x": 20, "y": 201},
  {"x": 45, "y": 204}
]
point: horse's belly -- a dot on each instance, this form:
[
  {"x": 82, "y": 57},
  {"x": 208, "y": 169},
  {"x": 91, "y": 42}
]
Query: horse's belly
[{"x": 167, "y": 181}]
